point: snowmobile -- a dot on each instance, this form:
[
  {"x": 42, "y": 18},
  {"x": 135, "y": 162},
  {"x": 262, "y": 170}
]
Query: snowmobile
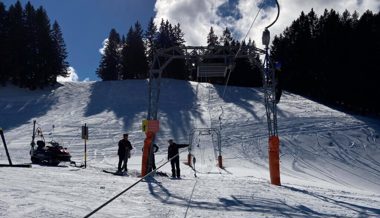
[{"x": 51, "y": 154}]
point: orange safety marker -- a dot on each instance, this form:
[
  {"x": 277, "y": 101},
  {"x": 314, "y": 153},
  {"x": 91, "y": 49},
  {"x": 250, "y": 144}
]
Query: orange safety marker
[
  {"x": 189, "y": 159},
  {"x": 274, "y": 160},
  {"x": 145, "y": 157},
  {"x": 220, "y": 161}
]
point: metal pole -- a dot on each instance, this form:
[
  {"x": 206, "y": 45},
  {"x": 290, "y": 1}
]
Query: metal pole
[
  {"x": 85, "y": 145},
  {"x": 5, "y": 145}
]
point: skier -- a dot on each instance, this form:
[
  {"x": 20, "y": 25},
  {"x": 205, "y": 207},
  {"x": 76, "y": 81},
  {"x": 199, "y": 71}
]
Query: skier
[
  {"x": 173, "y": 152},
  {"x": 124, "y": 153}
]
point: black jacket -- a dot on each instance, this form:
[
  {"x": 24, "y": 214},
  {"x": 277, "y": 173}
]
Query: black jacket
[
  {"x": 155, "y": 147},
  {"x": 124, "y": 145},
  {"x": 173, "y": 149}
]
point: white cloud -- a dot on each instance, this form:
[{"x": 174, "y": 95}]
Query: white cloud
[
  {"x": 73, "y": 77},
  {"x": 197, "y": 16},
  {"x": 105, "y": 43}
]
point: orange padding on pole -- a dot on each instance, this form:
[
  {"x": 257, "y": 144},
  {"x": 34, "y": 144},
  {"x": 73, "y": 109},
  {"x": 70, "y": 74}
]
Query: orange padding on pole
[
  {"x": 274, "y": 160},
  {"x": 189, "y": 159},
  {"x": 220, "y": 160},
  {"x": 145, "y": 157}
]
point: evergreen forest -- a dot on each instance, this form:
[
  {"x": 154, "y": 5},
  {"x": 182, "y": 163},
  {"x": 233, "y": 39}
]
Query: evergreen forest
[
  {"x": 32, "y": 51},
  {"x": 330, "y": 58}
]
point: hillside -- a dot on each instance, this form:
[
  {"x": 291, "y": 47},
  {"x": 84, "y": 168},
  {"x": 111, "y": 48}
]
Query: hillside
[{"x": 330, "y": 161}]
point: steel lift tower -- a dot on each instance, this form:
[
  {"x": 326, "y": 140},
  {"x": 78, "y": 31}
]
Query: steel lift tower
[{"x": 197, "y": 55}]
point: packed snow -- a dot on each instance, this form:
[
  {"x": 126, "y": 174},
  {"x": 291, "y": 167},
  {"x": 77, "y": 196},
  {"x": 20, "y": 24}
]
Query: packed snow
[{"x": 330, "y": 160}]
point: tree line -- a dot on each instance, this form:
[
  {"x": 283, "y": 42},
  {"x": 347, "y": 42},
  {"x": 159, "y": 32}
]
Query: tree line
[
  {"x": 332, "y": 58},
  {"x": 32, "y": 51},
  {"x": 130, "y": 56}
]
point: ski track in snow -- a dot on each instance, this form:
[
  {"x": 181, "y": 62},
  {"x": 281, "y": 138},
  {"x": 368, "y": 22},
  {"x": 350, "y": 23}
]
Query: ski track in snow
[{"x": 329, "y": 160}]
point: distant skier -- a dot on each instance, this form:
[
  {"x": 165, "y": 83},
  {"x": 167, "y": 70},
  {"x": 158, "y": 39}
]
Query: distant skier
[
  {"x": 173, "y": 152},
  {"x": 124, "y": 153},
  {"x": 152, "y": 158}
]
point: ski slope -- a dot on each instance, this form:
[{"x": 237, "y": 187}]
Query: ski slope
[{"x": 330, "y": 160}]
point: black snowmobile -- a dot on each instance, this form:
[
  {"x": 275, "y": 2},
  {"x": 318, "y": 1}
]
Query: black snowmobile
[{"x": 51, "y": 154}]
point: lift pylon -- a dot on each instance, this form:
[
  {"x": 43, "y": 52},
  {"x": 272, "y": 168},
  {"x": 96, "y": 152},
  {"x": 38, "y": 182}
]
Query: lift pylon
[
  {"x": 269, "y": 85},
  {"x": 163, "y": 57},
  {"x": 199, "y": 53}
]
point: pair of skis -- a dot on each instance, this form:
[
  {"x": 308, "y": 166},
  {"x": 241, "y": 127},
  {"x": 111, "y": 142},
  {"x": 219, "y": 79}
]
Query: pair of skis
[{"x": 117, "y": 173}]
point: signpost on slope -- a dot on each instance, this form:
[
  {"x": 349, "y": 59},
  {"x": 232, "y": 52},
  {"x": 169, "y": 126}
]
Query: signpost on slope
[{"x": 85, "y": 137}]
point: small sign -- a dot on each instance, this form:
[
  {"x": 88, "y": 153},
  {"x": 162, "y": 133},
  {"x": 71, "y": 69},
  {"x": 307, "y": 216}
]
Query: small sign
[
  {"x": 150, "y": 126},
  {"x": 145, "y": 125},
  {"x": 153, "y": 125},
  {"x": 85, "y": 132}
]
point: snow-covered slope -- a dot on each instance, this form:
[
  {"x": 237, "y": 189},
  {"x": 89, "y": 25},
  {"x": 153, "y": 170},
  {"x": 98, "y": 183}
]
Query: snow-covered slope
[{"x": 330, "y": 161}]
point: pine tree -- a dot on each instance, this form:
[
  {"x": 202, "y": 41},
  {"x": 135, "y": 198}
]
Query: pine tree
[
  {"x": 176, "y": 68},
  {"x": 134, "y": 60},
  {"x": 3, "y": 49},
  {"x": 31, "y": 50},
  {"x": 169, "y": 36},
  {"x": 163, "y": 36},
  {"x": 141, "y": 63},
  {"x": 126, "y": 56},
  {"x": 45, "y": 58},
  {"x": 60, "y": 53},
  {"x": 226, "y": 38},
  {"x": 150, "y": 40},
  {"x": 178, "y": 36},
  {"x": 16, "y": 45},
  {"x": 108, "y": 68},
  {"x": 212, "y": 39}
]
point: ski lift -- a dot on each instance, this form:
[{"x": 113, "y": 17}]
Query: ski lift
[
  {"x": 214, "y": 67},
  {"x": 212, "y": 70}
]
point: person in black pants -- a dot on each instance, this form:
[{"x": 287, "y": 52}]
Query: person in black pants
[
  {"x": 152, "y": 166},
  {"x": 173, "y": 153},
  {"x": 155, "y": 147},
  {"x": 124, "y": 153}
]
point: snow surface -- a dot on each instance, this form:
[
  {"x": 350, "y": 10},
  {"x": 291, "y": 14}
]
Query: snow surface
[{"x": 330, "y": 161}]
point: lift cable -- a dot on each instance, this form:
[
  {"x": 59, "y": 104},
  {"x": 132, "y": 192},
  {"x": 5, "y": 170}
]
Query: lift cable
[
  {"x": 131, "y": 186},
  {"x": 237, "y": 53}
]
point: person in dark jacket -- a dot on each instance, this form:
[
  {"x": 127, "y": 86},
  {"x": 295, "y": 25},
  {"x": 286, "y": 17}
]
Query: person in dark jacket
[
  {"x": 173, "y": 153},
  {"x": 124, "y": 153},
  {"x": 155, "y": 149},
  {"x": 152, "y": 158}
]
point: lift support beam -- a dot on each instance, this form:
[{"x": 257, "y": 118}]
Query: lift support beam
[
  {"x": 162, "y": 59},
  {"x": 9, "y": 157}
]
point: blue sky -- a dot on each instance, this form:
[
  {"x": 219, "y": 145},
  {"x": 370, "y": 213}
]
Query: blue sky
[{"x": 86, "y": 23}]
